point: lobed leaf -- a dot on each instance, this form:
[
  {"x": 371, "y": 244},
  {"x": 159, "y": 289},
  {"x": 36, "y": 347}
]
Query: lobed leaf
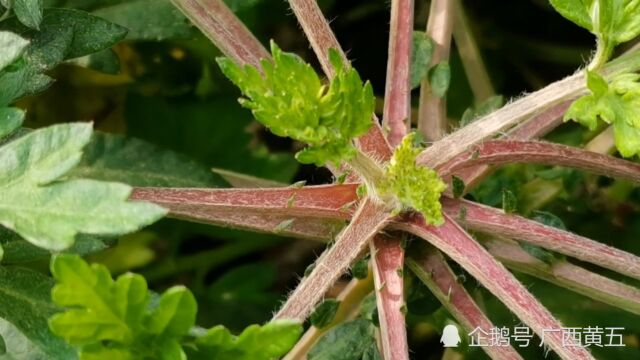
[
  {"x": 290, "y": 99},
  {"x": 615, "y": 103},
  {"x": 611, "y": 20},
  {"x": 50, "y": 213},
  {"x": 115, "y": 318},
  {"x": 270, "y": 341}
]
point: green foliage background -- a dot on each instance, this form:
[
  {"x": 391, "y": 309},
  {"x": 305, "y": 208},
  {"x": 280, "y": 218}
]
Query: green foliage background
[{"x": 176, "y": 116}]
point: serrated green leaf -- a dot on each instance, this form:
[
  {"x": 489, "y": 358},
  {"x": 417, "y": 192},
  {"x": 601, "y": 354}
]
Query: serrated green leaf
[
  {"x": 414, "y": 186},
  {"x": 153, "y": 20},
  {"x": 324, "y": 313},
  {"x": 291, "y": 101},
  {"x": 10, "y": 120},
  {"x": 270, "y": 341},
  {"x": 25, "y": 306},
  {"x": 351, "y": 340},
  {"x": 64, "y": 34},
  {"x": 12, "y": 47},
  {"x": 104, "y": 316},
  {"x": 420, "y": 57},
  {"x": 574, "y": 10},
  {"x": 50, "y": 214},
  {"x": 615, "y": 103},
  {"x": 136, "y": 162},
  {"x": 440, "y": 78},
  {"x": 614, "y": 21},
  {"x": 29, "y": 12}
]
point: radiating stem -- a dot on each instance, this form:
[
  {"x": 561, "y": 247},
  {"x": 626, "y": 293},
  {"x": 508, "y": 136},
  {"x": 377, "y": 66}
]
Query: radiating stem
[
  {"x": 499, "y": 152},
  {"x": 432, "y": 117},
  {"x": 432, "y": 269},
  {"x": 318, "y": 32},
  {"x": 370, "y": 218},
  {"x": 535, "y": 127},
  {"x": 224, "y": 29},
  {"x": 457, "y": 244},
  {"x": 474, "y": 67},
  {"x": 519, "y": 110},
  {"x": 397, "y": 105},
  {"x": 493, "y": 221},
  {"x": 388, "y": 264},
  {"x": 566, "y": 275}
]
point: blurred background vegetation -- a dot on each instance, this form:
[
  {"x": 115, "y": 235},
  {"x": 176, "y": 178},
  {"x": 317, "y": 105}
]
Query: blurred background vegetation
[{"x": 162, "y": 85}]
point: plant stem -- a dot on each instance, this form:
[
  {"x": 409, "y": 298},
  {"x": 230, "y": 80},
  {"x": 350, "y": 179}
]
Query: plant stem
[
  {"x": 519, "y": 110},
  {"x": 369, "y": 170},
  {"x": 310, "y": 201},
  {"x": 318, "y": 32},
  {"x": 604, "y": 49},
  {"x": 500, "y": 152},
  {"x": 350, "y": 298},
  {"x": 432, "y": 269},
  {"x": 456, "y": 243},
  {"x": 603, "y": 143},
  {"x": 387, "y": 255},
  {"x": 370, "y": 218},
  {"x": 397, "y": 105},
  {"x": 474, "y": 67},
  {"x": 224, "y": 29},
  {"x": 493, "y": 221},
  {"x": 432, "y": 113},
  {"x": 566, "y": 275}
]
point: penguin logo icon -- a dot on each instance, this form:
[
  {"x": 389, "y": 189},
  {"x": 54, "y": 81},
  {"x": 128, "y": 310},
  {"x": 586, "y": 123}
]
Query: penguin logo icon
[{"x": 450, "y": 336}]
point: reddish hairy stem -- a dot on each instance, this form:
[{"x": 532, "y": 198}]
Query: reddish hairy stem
[
  {"x": 318, "y": 32},
  {"x": 567, "y": 275},
  {"x": 370, "y": 218},
  {"x": 224, "y": 29},
  {"x": 432, "y": 269},
  {"x": 397, "y": 105},
  {"x": 456, "y": 243},
  {"x": 388, "y": 264},
  {"x": 322, "y": 201},
  {"x": 432, "y": 117},
  {"x": 490, "y": 220},
  {"x": 499, "y": 152},
  {"x": 535, "y": 127}
]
